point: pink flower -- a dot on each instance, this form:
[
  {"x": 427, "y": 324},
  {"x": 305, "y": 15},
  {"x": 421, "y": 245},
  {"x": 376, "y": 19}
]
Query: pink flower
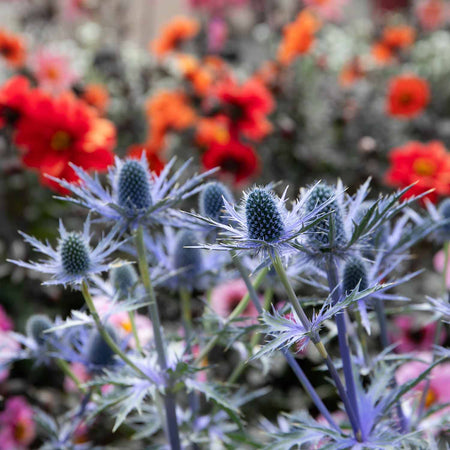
[
  {"x": 439, "y": 262},
  {"x": 80, "y": 372},
  {"x": 17, "y": 428},
  {"x": 217, "y": 34},
  {"x": 411, "y": 336},
  {"x": 215, "y": 6},
  {"x": 327, "y": 9},
  {"x": 438, "y": 392},
  {"x": 226, "y": 296},
  {"x": 6, "y": 323},
  {"x": 53, "y": 71},
  {"x": 432, "y": 14},
  {"x": 121, "y": 322},
  {"x": 8, "y": 348}
]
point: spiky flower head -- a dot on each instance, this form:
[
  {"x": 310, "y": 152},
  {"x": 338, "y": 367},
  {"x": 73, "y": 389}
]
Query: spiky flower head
[
  {"x": 133, "y": 186},
  {"x": 74, "y": 259},
  {"x": 36, "y": 327},
  {"x": 211, "y": 203},
  {"x": 355, "y": 272},
  {"x": 330, "y": 230},
  {"x": 188, "y": 260},
  {"x": 99, "y": 353},
  {"x": 123, "y": 278},
  {"x": 444, "y": 212},
  {"x": 264, "y": 221},
  {"x": 74, "y": 253}
]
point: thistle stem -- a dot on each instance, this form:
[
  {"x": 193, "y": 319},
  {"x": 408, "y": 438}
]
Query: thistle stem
[
  {"x": 289, "y": 358},
  {"x": 169, "y": 398},
  {"x": 65, "y": 367},
  {"x": 237, "y": 311},
  {"x": 135, "y": 332},
  {"x": 437, "y": 332},
  {"x": 333, "y": 283}
]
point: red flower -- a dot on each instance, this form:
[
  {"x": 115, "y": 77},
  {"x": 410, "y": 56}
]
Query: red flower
[
  {"x": 55, "y": 131},
  {"x": 13, "y": 98},
  {"x": 12, "y": 48},
  {"x": 245, "y": 107},
  {"x": 235, "y": 159},
  {"x": 407, "y": 97},
  {"x": 428, "y": 164},
  {"x": 155, "y": 163}
]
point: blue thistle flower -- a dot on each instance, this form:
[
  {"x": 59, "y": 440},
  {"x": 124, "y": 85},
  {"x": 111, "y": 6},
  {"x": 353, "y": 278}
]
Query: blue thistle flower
[
  {"x": 133, "y": 186},
  {"x": 137, "y": 196},
  {"x": 123, "y": 278},
  {"x": 99, "y": 353},
  {"x": 187, "y": 260},
  {"x": 211, "y": 197},
  {"x": 74, "y": 260},
  {"x": 355, "y": 273},
  {"x": 329, "y": 231},
  {"x": 36, "y": 327},
  {"x": 444, "y": 212}
]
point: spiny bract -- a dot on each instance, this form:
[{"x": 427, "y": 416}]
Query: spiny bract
[
  {"x": 36, "y": 326},
  {"x": 264, "y": 221},
  {"x": 134, "y": 186},
  {"x": 321, "y": 230},
  {"x": 211, "y": 200},
  {"x": 74, "y": 254},
  {"x": 355, "y": 272}
]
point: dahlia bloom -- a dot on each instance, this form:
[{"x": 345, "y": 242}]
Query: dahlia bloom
[
  {"x": 426, "y": 164},
  {"x": 14, "y": 96},
  {"x": 328, "y": 9},
  {"x": 97, "y": 96},
  {"x": 17, "y": 427},
  {"x": 245, "y": 107},
  {"x": 298, "y": 37},
  {"x": 53, "y": 71},
  {"x": 407, "y": 97},
  {"x": 54, "y": 132},
  {"x": 178, "y": 30},
  {"x": 226, "y": 296},
  {"x": 237, "y": 161},
  {"x": 12, "y": 48}
]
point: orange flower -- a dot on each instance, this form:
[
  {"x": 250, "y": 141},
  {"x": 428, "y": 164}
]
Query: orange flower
[
  {"x": 382, "y": 53},
  {"x": 408, "y": 95},
  {"x": 97, "y": 96},
  {"x": 298, "y": 37},
  {"x": 196, "y": 74},
  {"x": 12, "y": 48},
  {"x": 211, "y": 130},
  {"x": 426, "y": 164},
  {"x": 351, "y": 72},
  {"x": 179, "y": 29},
  {"x": 169, "y": 110},
  {"x": 398, "y": 37}
]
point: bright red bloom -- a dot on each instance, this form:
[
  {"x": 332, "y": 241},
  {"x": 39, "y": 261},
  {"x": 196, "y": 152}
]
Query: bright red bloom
[
  {"x": 12, "y": 48},
  {"x": 408, "y": 95},
  {"x": 428, "y": 164},
  {"x": 245, "y": 107},
  {"x": 55, "y": 131},
  {"x": 236, "y": 160},
  {"x": 14, "y": 95}
]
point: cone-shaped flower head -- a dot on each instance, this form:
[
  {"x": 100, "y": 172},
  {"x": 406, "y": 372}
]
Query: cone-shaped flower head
[
  {"x": 355, "y": 272},
  {"x": 133, "y": 186},
  {"x": 211, "y": 202},
  {"x": 123, "y": 277},
  {"x": 189, "y": 260},
  {"x": 264, "y": 221},
  {"x": 99, "y": 353},
  {"x": 74, "y": 254},
  {"x": 321, "y": 231},
  {"x": 444, "y": 212},
  {"x": 36, "y": 327}
]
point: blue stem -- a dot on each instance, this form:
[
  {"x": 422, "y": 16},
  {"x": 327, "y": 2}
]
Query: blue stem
[
  {"x": 344, "y": 349},
  {"x": 289, "y": 358}
]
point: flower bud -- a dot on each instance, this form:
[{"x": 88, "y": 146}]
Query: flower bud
[
  {"x": 36, "y": 327},
  {"x": 74, "y": 254},
  {"x": 123, "y": 277},
  {"x": 99, "y": 353},
  {"x": 264, "y": 221},
  {"x": 133, "y": 186},
  {"x": 355, "y": 272},
  {"x": 211, "y": 200}
]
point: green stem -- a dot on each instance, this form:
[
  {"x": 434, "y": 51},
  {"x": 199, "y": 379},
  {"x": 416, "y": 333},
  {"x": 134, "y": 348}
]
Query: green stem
[
  {"x": 65, "y": 367},
  {"x": 135, "y": 332},
  {"x": 237, "y": 311}
]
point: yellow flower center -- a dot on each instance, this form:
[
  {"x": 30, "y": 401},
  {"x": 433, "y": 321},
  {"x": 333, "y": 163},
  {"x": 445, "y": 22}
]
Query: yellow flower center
[
  {"x": 431, "y": 398},
  {"x": 126, "y": 325},
  {"x": 53, "y": 73},
  {"x": 61, "y": 140},
  {"x": 20, "y": 431},
  {"x": 424, "y": 167}
]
